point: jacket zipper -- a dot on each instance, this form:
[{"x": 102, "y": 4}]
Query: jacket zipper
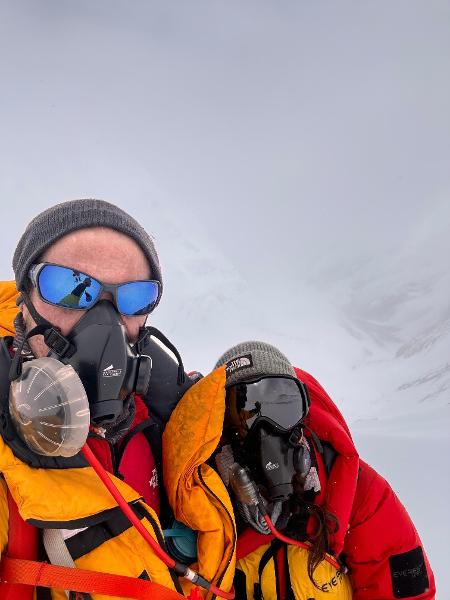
[{"x": 219, "y": 580}]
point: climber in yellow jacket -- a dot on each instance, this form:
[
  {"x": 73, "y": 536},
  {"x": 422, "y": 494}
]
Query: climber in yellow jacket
[{"x": 52, "y": 503}]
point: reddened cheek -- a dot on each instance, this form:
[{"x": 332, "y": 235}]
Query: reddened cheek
[{"x": 64, "y": 319}]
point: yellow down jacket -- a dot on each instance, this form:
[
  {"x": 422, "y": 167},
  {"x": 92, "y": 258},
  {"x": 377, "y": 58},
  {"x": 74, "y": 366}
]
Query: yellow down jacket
[
  {"x": 200, "y": 500},
  {"x": 8, "y": 307},
  {"x": 195, "y": 491},
  {"x": 75, "y": 502}
]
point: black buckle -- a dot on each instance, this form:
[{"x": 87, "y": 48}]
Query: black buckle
[
  {"x": 57, "y": 342},
  {"x": 257, "y": 591},
  {"x": 296, "y": 436},
  {"x": 144, "y": 336}
]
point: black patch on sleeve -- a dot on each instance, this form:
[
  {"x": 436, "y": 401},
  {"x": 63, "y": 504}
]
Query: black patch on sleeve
[{"x": 409, "y": 573}]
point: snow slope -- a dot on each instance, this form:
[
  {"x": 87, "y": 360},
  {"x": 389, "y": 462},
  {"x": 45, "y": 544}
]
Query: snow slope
[{"x": 375, "y": 330}]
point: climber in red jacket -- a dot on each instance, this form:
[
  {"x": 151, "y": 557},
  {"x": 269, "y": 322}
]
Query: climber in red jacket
[{"x": 343, "y": 506}]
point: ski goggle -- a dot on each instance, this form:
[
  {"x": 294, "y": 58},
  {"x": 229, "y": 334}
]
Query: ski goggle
[
  {"x": 70, "y": 288},
  {"x": 282, "y": 402}
]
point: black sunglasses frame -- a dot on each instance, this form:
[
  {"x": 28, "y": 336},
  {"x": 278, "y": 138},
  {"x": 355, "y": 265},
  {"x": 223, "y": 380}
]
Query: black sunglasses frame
[{"x": 111, "y": 288}]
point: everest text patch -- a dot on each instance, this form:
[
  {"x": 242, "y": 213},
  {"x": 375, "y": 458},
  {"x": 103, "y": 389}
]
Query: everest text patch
[{"x": 409, "y": 573}]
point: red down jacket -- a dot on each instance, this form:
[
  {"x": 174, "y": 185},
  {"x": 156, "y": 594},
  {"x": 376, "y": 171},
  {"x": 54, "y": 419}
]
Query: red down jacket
[{"x": 376, "y": 535}]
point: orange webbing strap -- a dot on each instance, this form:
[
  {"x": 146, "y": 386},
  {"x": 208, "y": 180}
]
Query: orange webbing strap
[
  {"x": 22, "y": 543},
  {"x": 30, "y": 572}
]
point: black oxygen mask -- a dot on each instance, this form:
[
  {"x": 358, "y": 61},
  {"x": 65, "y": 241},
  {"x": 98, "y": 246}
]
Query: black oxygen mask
[
  {"x": 276, "y": 464},
  {"x": 279, "y": 458},
  {"x": 109, "y": 368},
  {"x": 274, "y": 457}
]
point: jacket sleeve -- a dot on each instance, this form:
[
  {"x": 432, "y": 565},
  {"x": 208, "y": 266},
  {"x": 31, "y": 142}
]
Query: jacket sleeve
[
  {"x": 382, "y": 547},
  {"x": 4, "y": 517}
]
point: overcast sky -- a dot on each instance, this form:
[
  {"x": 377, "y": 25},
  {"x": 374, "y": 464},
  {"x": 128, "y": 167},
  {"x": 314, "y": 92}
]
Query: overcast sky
[
  {"x": 291, "y": 159},
  {"x": 270, "y": 147}
]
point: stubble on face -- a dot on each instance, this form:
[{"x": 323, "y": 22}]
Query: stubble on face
[{"x": 107, "y": 255}]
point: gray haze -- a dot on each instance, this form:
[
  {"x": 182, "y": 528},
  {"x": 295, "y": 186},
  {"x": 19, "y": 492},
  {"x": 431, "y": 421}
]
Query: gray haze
[{"x": 290, "y": 158}]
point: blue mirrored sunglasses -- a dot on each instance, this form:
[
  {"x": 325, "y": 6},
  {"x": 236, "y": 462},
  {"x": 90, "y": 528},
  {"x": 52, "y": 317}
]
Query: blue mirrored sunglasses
[{"x": 69, "y": 288}]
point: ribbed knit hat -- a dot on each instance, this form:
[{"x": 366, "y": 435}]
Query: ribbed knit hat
[
  {"x": 250, "y": 360},
  {"x": 61, "y": 219}
]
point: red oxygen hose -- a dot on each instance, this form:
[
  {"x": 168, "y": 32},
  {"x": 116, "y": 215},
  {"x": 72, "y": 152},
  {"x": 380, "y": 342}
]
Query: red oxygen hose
[
  {"x": 125, "y": 508},
  {"x": 289, "y": 540},
  {"x": 218, "y": 592}
]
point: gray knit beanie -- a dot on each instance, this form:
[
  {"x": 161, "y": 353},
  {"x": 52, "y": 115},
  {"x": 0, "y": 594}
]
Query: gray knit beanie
[
  {"x": 59, "y": 220},
  {"x": 249, "y": 361}
]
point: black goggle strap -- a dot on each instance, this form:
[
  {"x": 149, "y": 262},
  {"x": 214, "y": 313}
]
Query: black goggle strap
[
  {"x": 305, "y": 397},
  {"x": 153, "y": 331},
  {"x": 315, "y": 439}
]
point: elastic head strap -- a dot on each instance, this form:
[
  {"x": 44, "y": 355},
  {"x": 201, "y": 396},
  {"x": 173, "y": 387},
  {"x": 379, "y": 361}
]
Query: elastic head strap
[
  {"x": 162, "y": 338},
  {"x": 33, "y": 312},
  {"x": 53, "y": 337},
  {"x": 315, "y": 439},
  {"x": 143, "y": 337},
  {"x": 15, "y": 369}
]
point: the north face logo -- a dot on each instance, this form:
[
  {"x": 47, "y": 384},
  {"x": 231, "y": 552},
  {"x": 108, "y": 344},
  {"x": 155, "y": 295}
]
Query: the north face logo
[{"x": 239, "y": 363}]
